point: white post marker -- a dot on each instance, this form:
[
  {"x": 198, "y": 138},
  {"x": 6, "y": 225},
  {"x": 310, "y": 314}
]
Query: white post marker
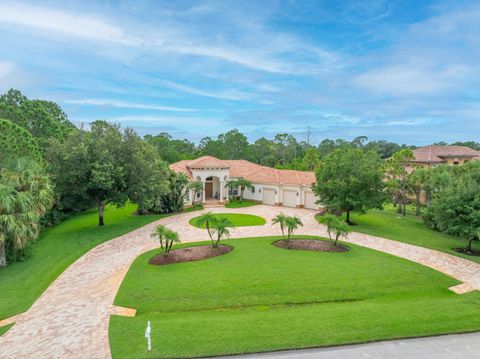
[{"x": 147, "y": 335}]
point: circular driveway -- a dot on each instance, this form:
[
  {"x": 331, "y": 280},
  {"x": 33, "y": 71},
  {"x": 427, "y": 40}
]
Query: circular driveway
[{"x": 71, "y": 318}]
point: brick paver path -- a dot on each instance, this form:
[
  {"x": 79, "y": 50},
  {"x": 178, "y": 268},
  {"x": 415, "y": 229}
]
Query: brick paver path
[{"x": 70, "y": 319}]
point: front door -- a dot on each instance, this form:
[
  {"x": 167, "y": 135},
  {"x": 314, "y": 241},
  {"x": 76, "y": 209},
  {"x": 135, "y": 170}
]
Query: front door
[{"x": 208, "y": 190}]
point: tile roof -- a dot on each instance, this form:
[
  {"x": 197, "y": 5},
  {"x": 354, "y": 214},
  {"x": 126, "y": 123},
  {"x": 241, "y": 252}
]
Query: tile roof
[
  {"x": 248, "y": 170},
  {"x": 436, "y": 154}
]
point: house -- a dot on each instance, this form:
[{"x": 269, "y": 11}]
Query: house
[
  {"x": 271, "y": 186},
  {"x": 431, "y": 156}
]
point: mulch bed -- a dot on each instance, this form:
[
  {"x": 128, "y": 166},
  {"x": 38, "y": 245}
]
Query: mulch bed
[
  {"x": 311, "y": 245},
  {"x": 464, "y": 251},
  {"x": 190, "y": 254}
]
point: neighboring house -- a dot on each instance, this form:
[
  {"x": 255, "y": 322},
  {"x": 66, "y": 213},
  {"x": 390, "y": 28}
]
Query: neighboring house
[
  {"x": 431, "y": 156},
  {"x": 271, "y": 186}
]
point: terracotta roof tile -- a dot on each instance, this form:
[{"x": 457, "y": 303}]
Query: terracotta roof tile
[{"x": 248, "y": 170}]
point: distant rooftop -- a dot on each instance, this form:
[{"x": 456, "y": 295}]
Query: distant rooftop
[{"x": 438, "y": 154}]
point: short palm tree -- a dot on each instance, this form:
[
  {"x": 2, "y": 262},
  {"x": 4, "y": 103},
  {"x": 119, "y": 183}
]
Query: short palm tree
[
  {"x": 280, "y": 219},
  {"x": 196, "y": 187},
  {"x": 221, "y": 229},
  {"x": 292, "y": 223},
  {"x": 206, "y": 220},
  {"x": 241, "y": 183},
  {"x": 26, "y": 195},
  {"x": 336, "y": 227},
  {"x": 158, "y": 234},
  {"x": 166, "y": 237}
]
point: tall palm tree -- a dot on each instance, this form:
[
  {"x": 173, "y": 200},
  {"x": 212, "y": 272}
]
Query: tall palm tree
[
  {"x": 25, "y": 196},
  {"x": 206, "y": 220},
  {"x": 292, "y": 223},
  {"x": 221, "y": 229},
  {"x": 241, "y": 183},
  {"x": 280, "y": 219}
]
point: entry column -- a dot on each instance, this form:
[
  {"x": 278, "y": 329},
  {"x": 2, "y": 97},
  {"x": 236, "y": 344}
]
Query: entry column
[
  {"x": 222, "y": 184},
  {"x": 203, "y": 193}
]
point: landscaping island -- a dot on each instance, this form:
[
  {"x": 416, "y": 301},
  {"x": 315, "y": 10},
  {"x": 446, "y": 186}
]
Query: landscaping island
[{"x": 260, "y": 298}]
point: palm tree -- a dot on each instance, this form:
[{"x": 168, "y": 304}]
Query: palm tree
[
  {"x": 196, "y": 187},
  {"x": 242, "y": 184},
  {"x": 25, "y": 196},
  {"x": 292, "y": 224},
  {"x": 334, "y": 225},
  {"x": 166, "y": 237},
  {"x": 158, "y": 234},
  {"x": 280, "y": 219},
  {"x": 221, "y": 229},
  {"x": 171, "y": 237},
  {"x": 206, "y": 220}
]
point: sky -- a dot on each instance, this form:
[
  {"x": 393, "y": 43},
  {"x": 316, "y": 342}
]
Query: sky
[{"x": 404, "y": 71}]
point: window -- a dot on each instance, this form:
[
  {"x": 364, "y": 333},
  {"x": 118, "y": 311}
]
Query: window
[
  {"x": 456, "y": 163},
  {"x": 253, "y": 189},
  {"x": 233, "y": 191},
  {"x": 209, "y": 178}
]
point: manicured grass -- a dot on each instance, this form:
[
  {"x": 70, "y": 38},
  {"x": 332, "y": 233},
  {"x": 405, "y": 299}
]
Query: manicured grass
[
  {"x": 409, "y": 229},
  {"x": 22, "y": 283},
  {"x": 5, "y": 328},
  {"x": 237, "y": 219},
  {"x": 241, "y": 204},
  {"x": 260, "y": 298}
]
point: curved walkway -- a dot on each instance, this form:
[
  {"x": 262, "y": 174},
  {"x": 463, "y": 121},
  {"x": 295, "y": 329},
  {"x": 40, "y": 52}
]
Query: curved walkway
[{"x": 71, "y": 318}]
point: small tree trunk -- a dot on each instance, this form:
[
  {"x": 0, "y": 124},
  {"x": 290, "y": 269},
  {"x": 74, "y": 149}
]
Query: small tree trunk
[
  {"x": 469, "y": 246},
  {"x": 101, "y": 210},
  {"x": 348, "y": 217},
  {"x": 417, "y": 211},
  {"x": 428, "y": 196},
  {"x": 3, "y": 256}
]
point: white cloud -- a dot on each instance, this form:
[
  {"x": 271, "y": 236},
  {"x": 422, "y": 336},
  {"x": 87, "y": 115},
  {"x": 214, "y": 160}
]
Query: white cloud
[
  {"x": 227, "y": 94},
  {"x": 169, "y": 120},
  {"x": 170, "y": 37},
  {"x": 6, "y": 69},
  {"x": 62, "y": 22},
  {"x": 123, "y": 104}
]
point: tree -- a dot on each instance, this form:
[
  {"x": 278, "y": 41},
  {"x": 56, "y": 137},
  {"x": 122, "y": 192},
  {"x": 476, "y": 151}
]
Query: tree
[
  {"x": 336, "y": 227},
  {"x": 26, "y": 195},
  {"x": 43, "y": 119},
  {"x": 88, "y": 168},
  {"x": 311, "y": 159},
  {"x": 350, "y": 179},
  {"x": 145, "y": 172},
  {"x": 166, "y": 237},
  {"x": 241, "y": 183},
  {"x": 220, "y": 226},
  {"x": 173, "y": 200},
  {"x": 196, "y": 187},
  {"x": 292, "y": 223},
  {"x": 397, "y": 174},
  {"x": 281, "y": 220},
  {"x": 16, "y": 142},
  {"x": 417, "y": 181},
  {"x": 456, "y": 208},
  {"x": 235, "y": 145},
  {"x": 206, "y": 220}
]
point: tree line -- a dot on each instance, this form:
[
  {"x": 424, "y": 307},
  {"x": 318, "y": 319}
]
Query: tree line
[
  {"x": 50, "y": 169},
  {"x": 350, "y": 179}
]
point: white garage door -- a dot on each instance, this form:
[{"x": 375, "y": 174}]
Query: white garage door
[
  {"x": 289, "y": 198},
  {"x": 269, "y": 196},
  {"x": 310, "y": 200}
]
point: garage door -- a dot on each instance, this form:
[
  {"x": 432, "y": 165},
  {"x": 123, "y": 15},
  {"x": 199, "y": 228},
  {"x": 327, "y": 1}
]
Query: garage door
[
  {"x": 290, "y": 198},
  {"x": 269, "y": 196},
  {"x": 310, "y": 200}
]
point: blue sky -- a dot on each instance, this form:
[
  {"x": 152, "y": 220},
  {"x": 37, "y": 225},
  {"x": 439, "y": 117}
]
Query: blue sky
[{"x": 406, "y": 71}]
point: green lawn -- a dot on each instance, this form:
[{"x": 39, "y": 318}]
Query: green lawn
[
  {"x": 410, "y": 229},
  {"x": 261, "y": 298},
  {"x": 241, "y": 204},
  {"x": 237, "y": 219},
  {"x": 22, "y": 283}
]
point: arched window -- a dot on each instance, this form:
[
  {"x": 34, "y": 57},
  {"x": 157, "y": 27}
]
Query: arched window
[{"x": 456, "y": 163}]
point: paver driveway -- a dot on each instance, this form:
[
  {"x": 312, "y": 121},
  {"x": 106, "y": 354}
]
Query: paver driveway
[{"x": 70, "y": 319}]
